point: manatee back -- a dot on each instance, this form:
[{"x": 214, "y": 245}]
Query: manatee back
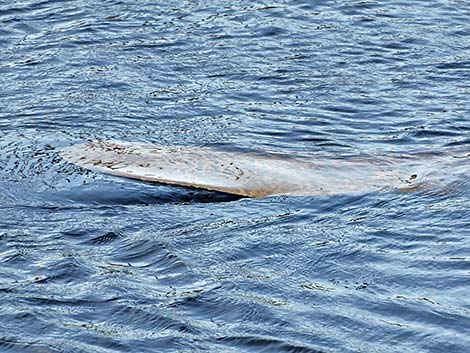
[{"x": 242, "y": 173}]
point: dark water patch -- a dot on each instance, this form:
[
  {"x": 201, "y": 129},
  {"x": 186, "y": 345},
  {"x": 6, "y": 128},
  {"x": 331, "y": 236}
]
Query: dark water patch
[
  {"x": 145, "y": 317},
  {"x": 12, "y": 344},
  {"x": 106, "y": 238},
  {"x": 453, "y": 65},
  {"x": 261, "y": 344},
  {"x": 130, "y": 193}
]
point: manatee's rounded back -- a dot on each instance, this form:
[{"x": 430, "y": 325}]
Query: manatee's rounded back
[{"x": 240, "y": 173}]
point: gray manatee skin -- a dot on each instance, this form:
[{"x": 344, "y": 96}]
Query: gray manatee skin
[{"x": 259, "y": 174}]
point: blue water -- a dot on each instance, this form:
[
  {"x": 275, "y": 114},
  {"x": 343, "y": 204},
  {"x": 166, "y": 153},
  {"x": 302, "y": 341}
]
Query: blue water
[{"x": 95, "y": 263}]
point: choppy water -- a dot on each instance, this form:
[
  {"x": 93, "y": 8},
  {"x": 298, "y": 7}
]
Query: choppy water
[{"x": 94, "y": 263}]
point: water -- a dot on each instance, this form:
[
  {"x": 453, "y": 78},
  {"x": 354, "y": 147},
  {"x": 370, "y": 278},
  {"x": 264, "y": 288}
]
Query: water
[{"x": 94, "y": 263}]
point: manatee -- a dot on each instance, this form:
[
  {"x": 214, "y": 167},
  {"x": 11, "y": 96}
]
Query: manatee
[{"x": 253, "y": 174}]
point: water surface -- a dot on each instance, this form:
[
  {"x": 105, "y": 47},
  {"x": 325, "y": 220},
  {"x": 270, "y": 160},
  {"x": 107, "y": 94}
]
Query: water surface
[{"x": 95, "y": 263}]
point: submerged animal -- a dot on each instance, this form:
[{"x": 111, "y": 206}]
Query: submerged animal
[{"x": 257, "y": 174}]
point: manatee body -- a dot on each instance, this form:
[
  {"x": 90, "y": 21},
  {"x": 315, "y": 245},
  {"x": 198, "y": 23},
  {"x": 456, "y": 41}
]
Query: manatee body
[{"x": 250, "y": 174}]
